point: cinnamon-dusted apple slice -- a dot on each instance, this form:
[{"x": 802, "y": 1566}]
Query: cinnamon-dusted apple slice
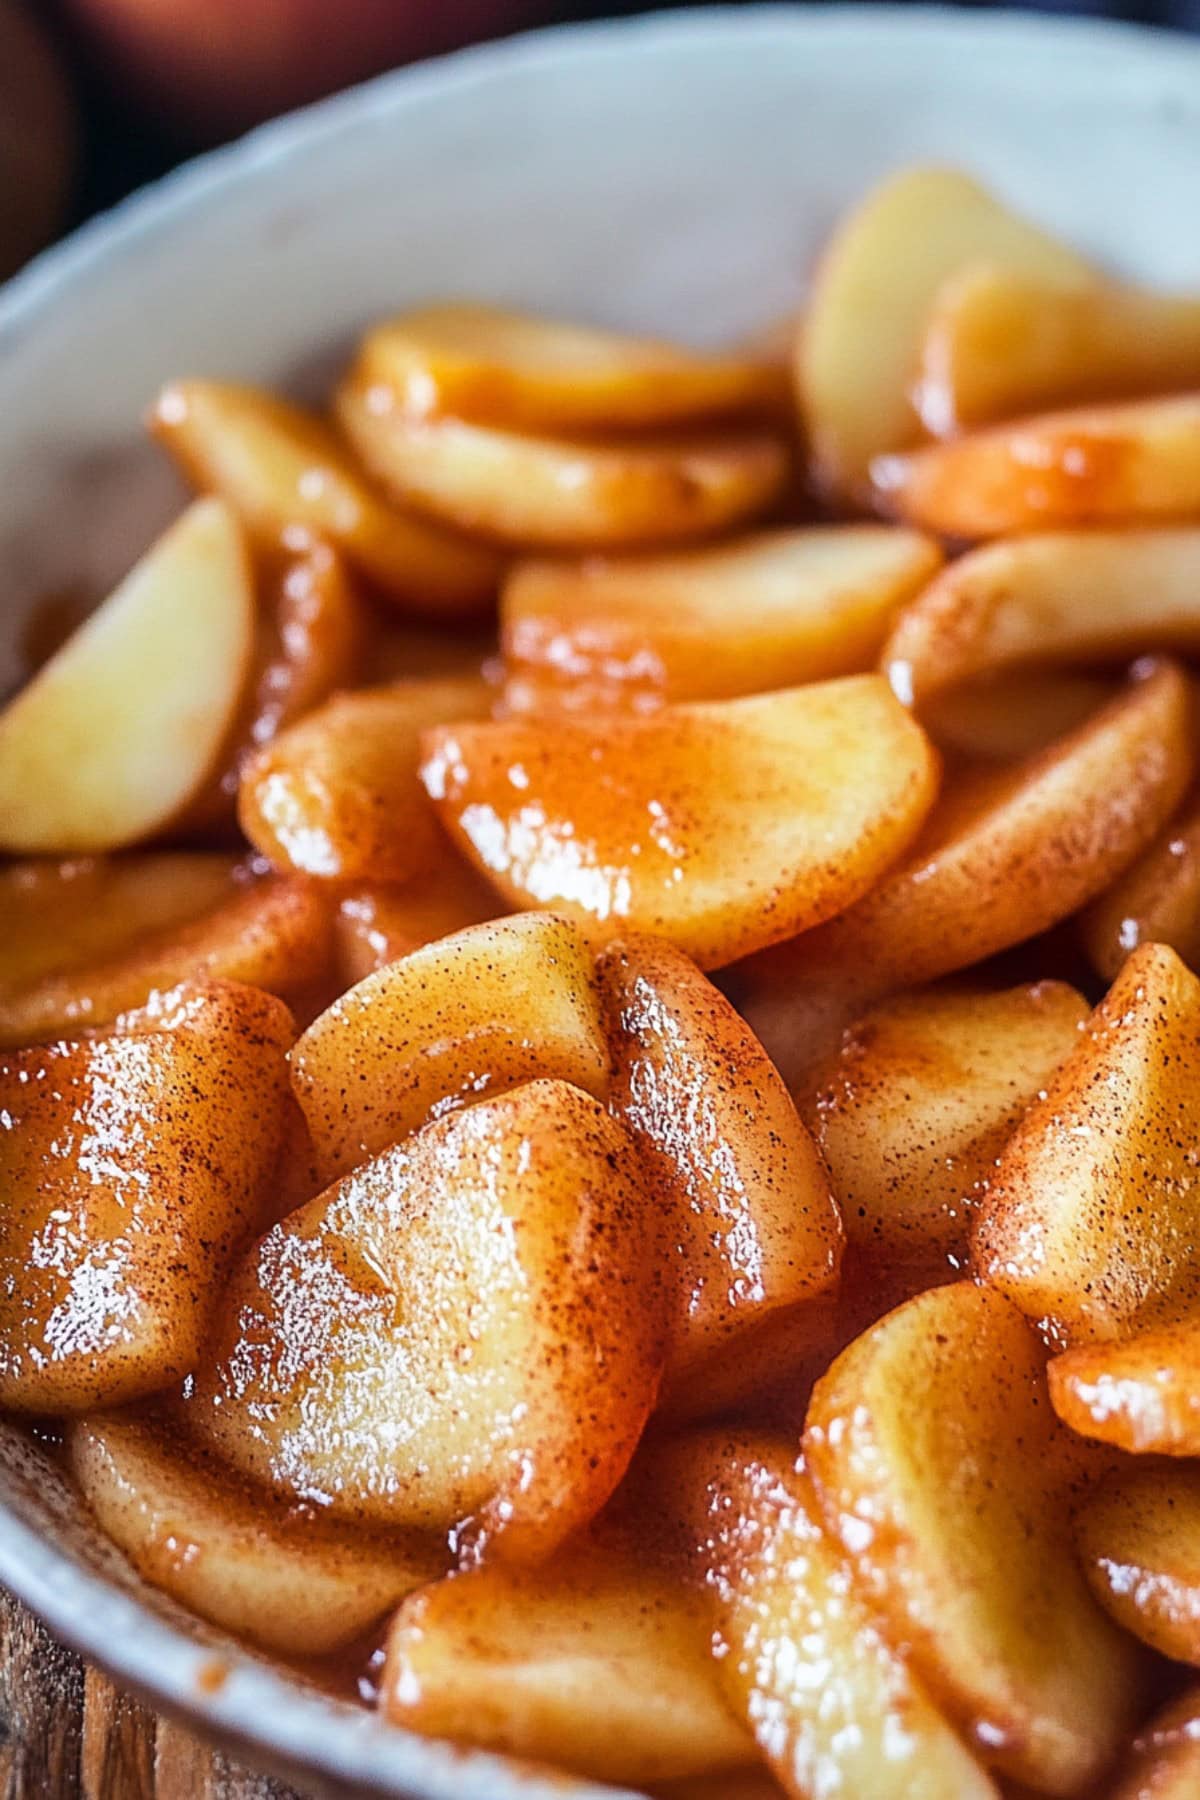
[
  {"x": 598, "y": 1663},
  {"x": 563, "y": 493},
  {"x": 943, "y": 1470},
  {"x": 1138, "y": 1538},
  {"x": 872, "y": 298},
  {"x": 773, "y": 609},
  {"x": 1130, "y": 463},
  {"x": 131, "y": 1167},
  {"x": 631, "y": 822},
  {"x": 291, "y": 479},
  {"x": 490, "y": 1008},
  {"x": 1006, "y": 854},
  {"x": 282, "y": 1576},
  {"x": 466, "y": 1332},
  {"x": 751, "y": 1223},
  {"x": 1003, "y": 718},
  {"x": 1156, "y": 900},
  {"x": 338, "y": 795},
  {"x": 914, "y": 1106},
  {"x": 1141, "y": 1395},
  {"x": 1164, "y": 1760},
  {"x": 539, "y": 374},
  {"x": 1091, "y": 1216},
  {"x": 377, "y": 924},
  {"x": 121, "y": 728},
  {"x": 800, "y": 1656},
  {"x": 1055, "y": 597}
]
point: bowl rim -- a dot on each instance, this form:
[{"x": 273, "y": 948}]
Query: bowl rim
[{"x": 253, "y": 1708}]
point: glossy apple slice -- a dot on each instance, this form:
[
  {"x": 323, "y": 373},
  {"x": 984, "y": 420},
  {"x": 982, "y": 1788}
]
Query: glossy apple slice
[
  {"x": 1164, "y": 1761},
  {"x": 1138, "y": 1537},
  {"x": 1141, "y": 1395},
  {"x": 377, "y": 924},
  {"x": 1156, "y": 900},
  {"x": 632, "y": 823},
  {"x": 1005, "y": 718},
  {"x": 120, "y": 729}
]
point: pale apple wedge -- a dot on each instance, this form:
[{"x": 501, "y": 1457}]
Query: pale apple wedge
[
  {"x": 378, "y": 924},
  {"x": 799, "y": 1653},
  {"x": 1130, "y": 463},
  {"x": 770, "y": 610},
  {"x": 469, "y": 1016},
  {"x": 465, "y": 1332},
  {"x": 1000, "y": 342},
  {"x": 629, "y": 824},
  {"x": 1164, "y": 1761},
  {"x": 121, "y": 728},
  {"x": 132, "y": 1167},
  {"x": 751, "y": 1223},
  {"x": 1007, "y": 717},
  {"x": 942, "y": 1469},
  {"x": 563, "y": 493},
  {"x": 338, "y": 794},
  {"x": 1142, "y": 1395},
  {"x": 539, "y": 374},
  {"x": 1156, "y": 900},
  {"x": 292, "y": 480},
  {"x": 598, "y": 1663},
  {"x": 1092, "y": 1213},
  {"x": 913, "y": 1108},
  {"x": 871, "y": 302},
  {"x": 282, "y": 1577},
  {"x": 1138, "y": 1538},
  {"x": 1055, "y": 597},
  {"x": 1006, "y": 854}
]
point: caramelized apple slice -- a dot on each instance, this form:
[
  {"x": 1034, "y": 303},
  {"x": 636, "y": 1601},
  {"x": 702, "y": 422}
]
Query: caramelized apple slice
[
  {"x": 377, "y": 924},
  {"x": 1136, "y": 463},
  {"x": 1138, "y": 1537},
  {"x": 747, "y": 1209},
  {"x": 116, "y": 733},
  {"x": 131, "y": 1167},
  {"x": 291, "y": 480},
  {"x": 563, "y": 493},
  {"x": 912, "y": 1109},
  {"x": 466, "y": 1331},
  {"x": 1164, "y": 1761},
  {"x": 1007, "y": 717},
  {"x": 773, "y": 609},
  {"x": 1007, "y": 854},
  {"x": 537, "y": 374},
  {"x": 283, "y": 1577},
  {"x": 1000, "y": 342},
  {"x": 1061, "y": 596},
  {"x": 338, "y": 795},
  {"x": 631, "y": 821},
  {"x": 1156, "y": 900},
  {"x": 943, "y": 1470},
  {"x": 799, "y": 1654},
  {"x": 872, "y": 298},
  {"x": 1090, "y": 1218},
  {"x": 471, "y": 1015},
  {"x": 1141, "y": 1395},
  {"x": 598, "y": 1663}
]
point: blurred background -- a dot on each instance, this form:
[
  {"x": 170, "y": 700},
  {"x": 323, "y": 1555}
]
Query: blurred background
[{"x": 99, "y": 96}]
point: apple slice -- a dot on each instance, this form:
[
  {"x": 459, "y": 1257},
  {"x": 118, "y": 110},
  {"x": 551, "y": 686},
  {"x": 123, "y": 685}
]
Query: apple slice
[
  {"x": 1164, "y": 1762},
  {"x": 871, "y": 302},
  {"x": 748, "y": 1214},
  {"x": 1156, "y": 900},
  {"x": 1006, "y": 854},
  {"x": 117, "y": 732},
  {"x": 1091, "y": 1215},
  {"x": 942, "y": 1469},
  {"x": 292, "y": 481},
  {"x": 537, "y": 374},
  {"x": 1131, "y": 463},
  {"x": 131, "y": 1167},
  {"x": 1004, "y": 718},
  {"x": 912, "y": 1109},
  {"x": 1000, "y": 342},
  {"x": 771, "y": 610},
  {"x": 467, "y": 1017},
  {"x": 563, "y": 493},
  {"x": 466, "y": 1332},
  {"x": 338, "y": 795},
  {"x": 1141, "y": 1395},
  {"x": 598, "y": 1663},
  {"x": 1138, "y": 1538},
  {"x": 1056, "y": 597},
  {"x": 283, "y": 1577},
  {"x": 378, "y": 924},
  {"x": 633, "y": 822}
]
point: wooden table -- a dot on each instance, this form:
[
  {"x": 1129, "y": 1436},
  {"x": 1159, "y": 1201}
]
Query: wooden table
[{"x": 66, "y": 1733}]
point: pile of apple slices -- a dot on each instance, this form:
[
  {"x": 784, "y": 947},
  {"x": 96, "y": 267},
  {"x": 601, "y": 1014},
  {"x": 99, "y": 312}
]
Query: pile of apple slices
[{"x": 600, "y": 1037}]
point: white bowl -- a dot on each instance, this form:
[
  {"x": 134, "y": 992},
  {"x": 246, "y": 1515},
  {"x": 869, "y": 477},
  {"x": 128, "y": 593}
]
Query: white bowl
[{"x": 675, "y": 173}]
